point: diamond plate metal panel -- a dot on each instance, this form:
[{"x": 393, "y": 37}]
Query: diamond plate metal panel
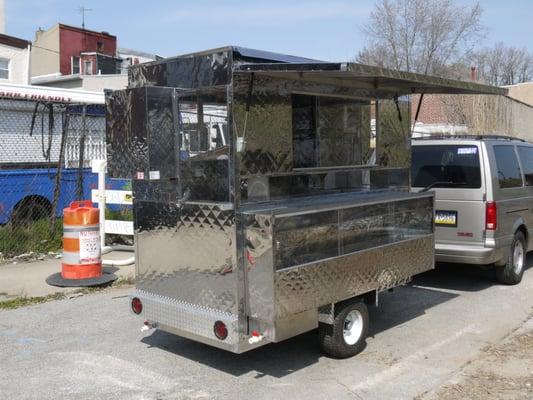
[
  {"x": 262, "y": 117},
  {"x": 327, "y": 256},
  {"x": 189, "y": 317},
  {"x": 394, "y": 133},
  {"x": 260, "y": 162},
  {"x": 141, "y": 133},
  {"x": 188, "y": 253},
  {"x": 313, "y": 285},
  {"x": 126, "y": 133},
  {"x": 210, "y": 69}
]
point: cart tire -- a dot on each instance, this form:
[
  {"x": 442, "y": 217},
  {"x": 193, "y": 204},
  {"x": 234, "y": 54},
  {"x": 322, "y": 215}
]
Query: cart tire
[
  {"x": 347, "y": 336},
  {"x": 511, "y": 273}
]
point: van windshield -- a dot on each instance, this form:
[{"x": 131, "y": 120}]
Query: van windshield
[{"x": 445, "y": 166}]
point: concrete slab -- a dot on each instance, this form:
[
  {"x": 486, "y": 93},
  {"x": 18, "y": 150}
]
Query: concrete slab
[{"x": 28, "y": 278}]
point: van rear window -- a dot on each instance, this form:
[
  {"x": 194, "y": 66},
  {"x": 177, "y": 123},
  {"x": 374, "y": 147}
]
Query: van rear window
[
  {"x": 526, "y": 156},
  {"x": 445, "y": 166}
]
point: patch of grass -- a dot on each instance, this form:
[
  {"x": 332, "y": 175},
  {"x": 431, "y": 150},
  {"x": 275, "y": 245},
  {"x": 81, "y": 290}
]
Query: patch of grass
[
  {"x": 124, "y": 281},
  {"x": 120, "y": 282},
  {"x": 35, "y": 236},
  {"x": 121, "y": 214},
  {"x": 23, "y": 301}
]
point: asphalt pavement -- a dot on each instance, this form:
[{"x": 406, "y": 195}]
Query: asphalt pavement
[{"x": 422, "y": 335}]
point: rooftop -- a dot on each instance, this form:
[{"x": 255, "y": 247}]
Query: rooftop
[{"x": 14, "y": 41}]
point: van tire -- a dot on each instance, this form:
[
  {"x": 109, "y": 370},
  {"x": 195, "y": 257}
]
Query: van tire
[
  {"x": 333, "y": 338},
  {"x": 511, "y": 273}
]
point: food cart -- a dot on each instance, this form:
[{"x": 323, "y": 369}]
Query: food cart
[{"x": 271, "y": 194}]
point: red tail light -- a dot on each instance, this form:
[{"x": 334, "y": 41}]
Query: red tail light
[
  {"x": 220, "y": 329},
  {"x": 491, "y": 216},
  {"x": 136, "y": 305}
]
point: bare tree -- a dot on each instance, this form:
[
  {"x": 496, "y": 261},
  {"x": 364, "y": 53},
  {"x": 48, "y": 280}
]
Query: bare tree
[
  {"x": 425, "y": 36},
  {"x": 504, "y": 65}
]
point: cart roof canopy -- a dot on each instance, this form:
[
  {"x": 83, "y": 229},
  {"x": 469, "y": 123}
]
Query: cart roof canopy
[
  {"x": 382, "y": 81},
  {"x": 243, "y": 54}
]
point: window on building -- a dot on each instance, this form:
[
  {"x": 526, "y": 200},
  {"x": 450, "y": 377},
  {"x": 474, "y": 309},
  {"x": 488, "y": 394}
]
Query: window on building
[
  {"x": 509, "y": 174},
  {"x": 88, "y": 67},
  {"x": 75, "y": 65},
  {"x": 4, "y": 68},
  {"x": 526, "y": 156},
  {"x": 100, "y": 46}
]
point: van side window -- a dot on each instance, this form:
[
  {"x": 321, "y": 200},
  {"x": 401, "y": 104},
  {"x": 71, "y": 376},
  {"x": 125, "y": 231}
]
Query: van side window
[
  {"x": 509, "y": 174},
  {"x": 526, "y": 157}
]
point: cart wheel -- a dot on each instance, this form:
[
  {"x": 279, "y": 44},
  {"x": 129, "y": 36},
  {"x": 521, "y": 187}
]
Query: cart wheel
[
  {"x": 347, "y": 336},
  {"x": 511, "y": 273}
]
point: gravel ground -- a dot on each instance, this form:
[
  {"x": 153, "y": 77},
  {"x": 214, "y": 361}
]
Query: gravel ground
[
  {"x": 430, "y": 339},
  {"x": 503, "y": 371}
]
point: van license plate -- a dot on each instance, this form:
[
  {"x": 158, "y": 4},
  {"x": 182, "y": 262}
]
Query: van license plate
[{"x": 446, "y": 218}]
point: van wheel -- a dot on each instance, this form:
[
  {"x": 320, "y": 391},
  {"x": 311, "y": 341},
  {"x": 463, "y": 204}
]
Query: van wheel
[
  {"x": 347, "y": 336},
  {"x": 511, "y": 273}
]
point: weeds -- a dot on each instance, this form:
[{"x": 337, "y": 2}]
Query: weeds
[
  {"x": 35, "y": 236},
  {"x": 120, "y": 214},
  {"x": 23, "y": 300}
]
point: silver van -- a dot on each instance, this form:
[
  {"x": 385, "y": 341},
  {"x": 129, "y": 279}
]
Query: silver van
[{"x": 483, "y": 199}]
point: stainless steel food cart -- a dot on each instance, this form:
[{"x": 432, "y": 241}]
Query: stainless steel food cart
[{"x": 271, "y": 194}]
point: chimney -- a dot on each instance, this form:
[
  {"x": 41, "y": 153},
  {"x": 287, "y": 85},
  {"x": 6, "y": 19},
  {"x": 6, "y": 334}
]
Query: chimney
[
  {"x": 38, "y": 33},
  {"x": 473, "y": 74}
]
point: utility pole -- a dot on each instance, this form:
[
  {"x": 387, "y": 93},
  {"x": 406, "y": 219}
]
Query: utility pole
[
  {"x": 83, "y": 10},
  {"x": 2, "y": 16}
]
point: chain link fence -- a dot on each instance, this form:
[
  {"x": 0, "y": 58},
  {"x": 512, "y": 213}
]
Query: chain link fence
[{"x": 46, "y": 151}]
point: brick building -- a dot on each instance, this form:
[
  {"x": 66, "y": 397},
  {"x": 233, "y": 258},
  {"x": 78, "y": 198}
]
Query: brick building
[{"x": 70, "y": 57}]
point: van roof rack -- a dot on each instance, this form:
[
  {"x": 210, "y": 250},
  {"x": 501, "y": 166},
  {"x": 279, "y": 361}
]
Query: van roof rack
[{"x": 472, "y": 137}]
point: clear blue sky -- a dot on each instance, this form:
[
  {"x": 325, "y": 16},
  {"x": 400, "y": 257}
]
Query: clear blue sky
[{"x": 327, "y": 29}]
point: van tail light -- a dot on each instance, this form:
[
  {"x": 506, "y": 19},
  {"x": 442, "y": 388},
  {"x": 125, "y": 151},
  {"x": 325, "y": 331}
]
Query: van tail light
[{"x": 491, "y": 216}]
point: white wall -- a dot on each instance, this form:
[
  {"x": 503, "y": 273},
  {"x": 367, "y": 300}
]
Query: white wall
[
  {"x": 18, "y": 64},
  {"x": 99, "y": 83},
  {"x": 522, "y": 92},
  {"x": 93, "y": 83}
]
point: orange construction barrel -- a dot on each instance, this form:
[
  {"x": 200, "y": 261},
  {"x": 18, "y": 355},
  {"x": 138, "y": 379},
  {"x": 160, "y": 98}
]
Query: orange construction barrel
[{"x": 81, "y": 261}]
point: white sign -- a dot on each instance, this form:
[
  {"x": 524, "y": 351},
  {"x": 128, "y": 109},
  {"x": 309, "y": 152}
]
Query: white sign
[
  {"x": 48, "y": 93},
  {"x": 467, "y": 150},
  {"x": 124, "y": 197},
  {"x": 89, "y": 247},
  {"x": 119, "y": 227}
]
